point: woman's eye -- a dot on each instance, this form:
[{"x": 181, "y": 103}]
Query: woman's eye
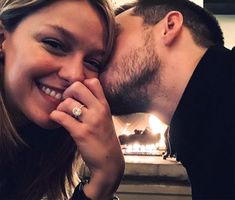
[
  {"x": 93, "y": 65},
  {"x": 54, "y": 45}
]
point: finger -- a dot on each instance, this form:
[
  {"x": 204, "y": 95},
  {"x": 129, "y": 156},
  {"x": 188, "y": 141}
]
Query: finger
[
  {"x": 95, "y": 87},
  {"x": 73, "y": 108},
  {"x": 81, "y": 93},
  {"x": 73, "y": 126}
]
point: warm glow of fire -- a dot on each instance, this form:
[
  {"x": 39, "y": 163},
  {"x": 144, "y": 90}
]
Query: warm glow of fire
[
  {"x": 125, "y": 131},
  {"x": 157, "y": 126},
  {"x": 157, "y": 129},
  {"x": 144, "y": 149}
]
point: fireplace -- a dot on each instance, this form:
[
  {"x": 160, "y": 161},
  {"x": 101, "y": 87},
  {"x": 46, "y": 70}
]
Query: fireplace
[
  {"x": 141, "y": 134},
  {"x": 147, "y": 175}
]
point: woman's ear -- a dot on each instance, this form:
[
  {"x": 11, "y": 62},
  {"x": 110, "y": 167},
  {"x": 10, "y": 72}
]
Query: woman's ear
[
  {"x": 2, "y": 39},
  {"x": 173, "y": 23}
]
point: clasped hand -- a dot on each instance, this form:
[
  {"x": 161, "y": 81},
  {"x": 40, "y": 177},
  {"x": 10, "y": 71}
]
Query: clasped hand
[{"x": 95, "y": 136}]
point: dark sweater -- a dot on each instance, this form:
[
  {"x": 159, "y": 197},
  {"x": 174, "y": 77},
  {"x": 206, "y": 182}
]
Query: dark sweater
[{"x": 202, "y": 132}]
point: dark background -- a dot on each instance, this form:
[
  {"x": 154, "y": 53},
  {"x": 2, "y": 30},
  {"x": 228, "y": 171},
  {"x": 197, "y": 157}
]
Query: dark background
[{"x": 220, "y": 7}]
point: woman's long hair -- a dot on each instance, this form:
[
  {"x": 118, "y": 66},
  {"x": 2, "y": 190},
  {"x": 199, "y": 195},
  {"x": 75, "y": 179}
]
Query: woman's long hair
[{"x": 59, "y": 173}]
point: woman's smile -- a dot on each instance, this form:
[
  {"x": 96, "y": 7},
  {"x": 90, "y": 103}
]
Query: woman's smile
[
  {"x": 48, "y": 95},
  {"x": 51, "y": 91}
]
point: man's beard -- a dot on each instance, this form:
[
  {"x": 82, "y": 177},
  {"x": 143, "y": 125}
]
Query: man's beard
[{"x": 137, "y": 76}]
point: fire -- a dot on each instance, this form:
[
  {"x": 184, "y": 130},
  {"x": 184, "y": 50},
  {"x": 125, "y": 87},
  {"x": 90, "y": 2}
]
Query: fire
[
  {"x": 149, "y": 141},
  {"x": 157, "y": 126}
]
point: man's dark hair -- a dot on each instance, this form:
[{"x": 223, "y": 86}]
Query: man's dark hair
[
  {"x": 203, "y": 26},
  {"x": 124, "y": 7}
]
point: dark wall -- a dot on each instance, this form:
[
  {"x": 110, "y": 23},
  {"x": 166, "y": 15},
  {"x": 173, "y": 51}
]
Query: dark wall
[{"x": 220, "y": 7}]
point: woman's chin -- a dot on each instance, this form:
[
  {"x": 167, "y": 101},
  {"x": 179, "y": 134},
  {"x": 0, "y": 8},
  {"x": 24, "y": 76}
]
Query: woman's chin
[
  {"x": 50, "y": 125},
  {"x": 47, "y": 124}
]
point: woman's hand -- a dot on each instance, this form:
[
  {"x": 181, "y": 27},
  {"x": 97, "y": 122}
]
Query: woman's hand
[{"x": 94, "y": 135}]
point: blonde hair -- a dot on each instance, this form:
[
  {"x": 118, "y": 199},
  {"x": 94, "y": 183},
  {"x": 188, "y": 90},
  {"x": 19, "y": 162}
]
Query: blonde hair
[{"x": 11, "y": 14}]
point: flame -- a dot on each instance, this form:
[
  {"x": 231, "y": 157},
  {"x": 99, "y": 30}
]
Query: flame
[
  {"x": 157, "y": 126},
  {"x": 156, "y": 147}
]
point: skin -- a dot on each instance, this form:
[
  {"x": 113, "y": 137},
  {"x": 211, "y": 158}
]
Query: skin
[
  {"x": 37, "y": 53},
  {"x": 56, "y": 48},
  {"x": 150, "y": 69}
]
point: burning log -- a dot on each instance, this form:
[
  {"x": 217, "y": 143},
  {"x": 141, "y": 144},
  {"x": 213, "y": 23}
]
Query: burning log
[{"x": 142, "y": 137}]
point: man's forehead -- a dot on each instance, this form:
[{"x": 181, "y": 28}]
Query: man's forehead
[
  {"x": 128, "y": 20},
  {"x": 125, "y": 15}
]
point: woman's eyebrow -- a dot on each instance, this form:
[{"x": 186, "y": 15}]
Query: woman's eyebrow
[
  {"x": 64, "y": 33},
  {"x": 67, "y": 35}
]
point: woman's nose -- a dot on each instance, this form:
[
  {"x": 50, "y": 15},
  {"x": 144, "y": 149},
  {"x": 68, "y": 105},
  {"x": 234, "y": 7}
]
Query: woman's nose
[{"x": 72, "y": 71}]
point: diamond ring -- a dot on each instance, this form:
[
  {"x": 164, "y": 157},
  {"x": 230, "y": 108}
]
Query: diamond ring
[{"x": 77, "y": 111}]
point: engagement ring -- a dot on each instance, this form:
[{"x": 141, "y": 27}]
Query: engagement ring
[{"x": 77, "y": 111}]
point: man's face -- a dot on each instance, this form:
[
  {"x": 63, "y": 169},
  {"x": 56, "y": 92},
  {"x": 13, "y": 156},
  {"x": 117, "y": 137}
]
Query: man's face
[{"x": 132, "y": 73}]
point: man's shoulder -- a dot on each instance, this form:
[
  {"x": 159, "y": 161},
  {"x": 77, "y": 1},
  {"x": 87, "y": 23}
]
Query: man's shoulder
[
  {"x": 233, "y": 56},
  {"x": 233, "y": 50}
]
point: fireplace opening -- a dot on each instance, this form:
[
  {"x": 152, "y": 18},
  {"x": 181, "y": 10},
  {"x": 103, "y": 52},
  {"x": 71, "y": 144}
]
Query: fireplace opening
[{"x": 143, "y": 135}]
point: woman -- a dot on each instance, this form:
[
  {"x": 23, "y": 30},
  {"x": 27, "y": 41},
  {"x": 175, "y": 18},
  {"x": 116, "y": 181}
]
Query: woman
[{"x": 52, "y": 106}]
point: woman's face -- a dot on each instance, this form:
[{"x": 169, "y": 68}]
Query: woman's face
[{"x": 50, "y": 49}]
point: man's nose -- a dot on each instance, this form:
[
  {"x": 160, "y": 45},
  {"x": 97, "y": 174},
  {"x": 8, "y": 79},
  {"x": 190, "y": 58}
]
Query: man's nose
[{"x": 72, "y": 70}]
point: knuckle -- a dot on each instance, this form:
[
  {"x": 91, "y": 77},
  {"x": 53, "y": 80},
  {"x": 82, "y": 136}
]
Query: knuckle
[
  {"x": 71, "y": 89},
  {"x": 67, "y": 101},
  {"x": 95, "y": 81},
  {"x": 105, "y": 110},
  {"x": 92, "y": 81},
  {"x": 76, "y": 85}
]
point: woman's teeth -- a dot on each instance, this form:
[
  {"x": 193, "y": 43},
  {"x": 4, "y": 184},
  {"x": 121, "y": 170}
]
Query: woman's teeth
[{"x": 51, "y": 92}]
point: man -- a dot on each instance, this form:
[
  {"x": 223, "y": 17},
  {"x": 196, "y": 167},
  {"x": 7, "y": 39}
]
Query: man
[{"x": 169, "y": 60}]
